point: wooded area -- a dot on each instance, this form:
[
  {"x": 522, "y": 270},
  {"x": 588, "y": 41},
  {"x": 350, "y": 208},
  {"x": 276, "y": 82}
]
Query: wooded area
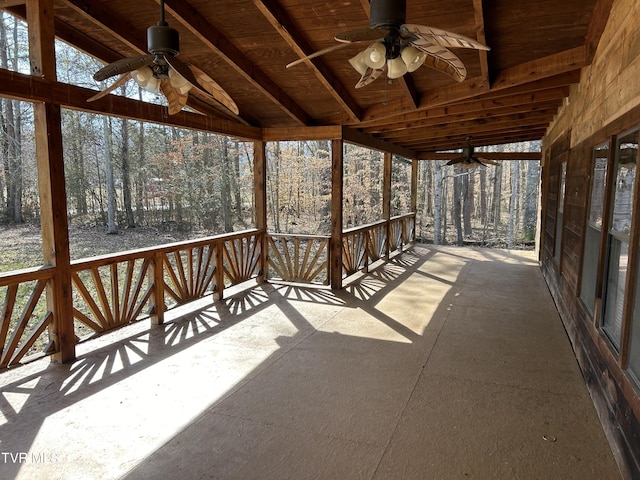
[{"x": 123, "y": 174}]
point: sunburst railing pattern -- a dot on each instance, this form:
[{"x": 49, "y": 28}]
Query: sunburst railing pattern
[
  {"x": 24, "y": 315},
  {"x": 298, "y": 258},
  {"x": 111, "y": 290}
]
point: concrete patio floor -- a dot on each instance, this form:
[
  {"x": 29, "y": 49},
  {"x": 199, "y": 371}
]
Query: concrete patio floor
[{"x": 444, "y": 363}]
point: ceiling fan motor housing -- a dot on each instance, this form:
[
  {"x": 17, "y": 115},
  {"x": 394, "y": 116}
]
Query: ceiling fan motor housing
[
  {"x": 163, "y": 40},
  {"x": 387, "y": 14}
]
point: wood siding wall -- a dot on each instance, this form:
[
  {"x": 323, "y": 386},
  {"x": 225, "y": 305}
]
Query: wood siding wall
[{"x": 604, "y": 104}]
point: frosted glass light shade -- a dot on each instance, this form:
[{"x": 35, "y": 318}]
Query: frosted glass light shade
[
  {"x": 375, "y": 55},
  {"x": 412, "y": 58},
  {"x": 144, "y": 77},
  {"x": 358, "y": 62},
  {"x": 396, "y": 68},
  {"x": 179, "y": 82}
]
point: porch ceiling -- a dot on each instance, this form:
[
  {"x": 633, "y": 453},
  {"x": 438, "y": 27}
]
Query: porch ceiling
[{"x": 511, "y": 93}]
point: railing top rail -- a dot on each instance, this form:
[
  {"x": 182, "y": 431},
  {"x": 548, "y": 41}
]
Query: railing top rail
[
  {"x": 26, "y": 275},
  {"x": 403, "y": 215},
  {"x": 295, "y": 235},
  {"x": 146, "y": 252},
  {"x": 360, "y": 228}
]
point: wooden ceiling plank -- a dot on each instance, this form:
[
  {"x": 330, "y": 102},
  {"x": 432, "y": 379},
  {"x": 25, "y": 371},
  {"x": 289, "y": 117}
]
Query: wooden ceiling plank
[
  {"x": 281, "y": 22},
  {"x": 118, "y": 27},
  {"x": 563, "y": 62},
  {"x": 214, "y": 40}
]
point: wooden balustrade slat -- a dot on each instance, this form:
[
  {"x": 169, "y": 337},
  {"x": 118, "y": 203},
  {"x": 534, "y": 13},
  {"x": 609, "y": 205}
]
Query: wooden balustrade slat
[
  {"x": 102, "y": 295},
  {"x": 89, "y": 301},
  {"x": 177, "y": 255},
  {"x": 115, "y": 294},
  {"x": 134, "y": 304},
  {"x": 87, "y": 321},
  {"x": 7, "y": 312},
  {"x": 26, "y": 346},
  {"x": 179, "y": 292},
  {"x": 126, "y": 292},
  {"x": 22, "y": 323}
]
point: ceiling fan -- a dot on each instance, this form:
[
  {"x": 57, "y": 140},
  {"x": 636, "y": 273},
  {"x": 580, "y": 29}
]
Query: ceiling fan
[
  {"x": 469, "y": 160},
  {"x": 160, "y": 71},
  {"x": 399, "y": 46}
]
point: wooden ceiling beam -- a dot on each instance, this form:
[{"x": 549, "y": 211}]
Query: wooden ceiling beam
[
  {"x": 488, "y": 155},
  {"x": 281, "y": 22},
  {"x": 11, "y": 3},
  {"x": 484, "y": 57},
  {"x": 475, "y": 126},
  {"x": 539, "y": 69},
  {"x": 214, "y": 40},
  {"x": 354, "y": 136},
  {"x": 495, "y": 138},
  {"x": 488, "y": 113},
  {"x": 563, "y": 62},
  {"x": 599, "y": 20},
  {"x": 35, "y": 89}
]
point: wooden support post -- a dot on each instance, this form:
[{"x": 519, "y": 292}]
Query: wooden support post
[
  {"x": 51, "y": 182},
  {"x": 386, "y": 200},
  {"x": 260, "y": 202},
  {"x": 335, "y": 250}
]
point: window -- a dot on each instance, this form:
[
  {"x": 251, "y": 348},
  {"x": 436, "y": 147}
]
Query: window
[
  {"x": 561, "y": 190},
  {"x": 618, "y": 236},
  {"x": 593, "y": 232}
]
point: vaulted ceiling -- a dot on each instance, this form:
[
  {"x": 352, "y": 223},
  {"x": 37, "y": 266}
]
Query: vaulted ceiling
[{"x": 510, "y": 94}]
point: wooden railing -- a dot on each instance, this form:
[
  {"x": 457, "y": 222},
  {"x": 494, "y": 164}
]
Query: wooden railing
[
  {"x": 298, "y": 258},
  {"x": 361, "y": 246},
  {"x": 24, "y": 315},
  {"x": 115, "y": 290}
]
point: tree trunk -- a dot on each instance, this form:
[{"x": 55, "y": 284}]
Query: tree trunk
[
  {"x": 515, "y": 174},
  {"x": 111, "y": 191},
  {"x": 457, "y": 206},
  {"x": 126, "y": 175},
  {"x": 531, "y": 200},
  {"x": 467, "y": 205},
  {"x": 437, "y": 204}
]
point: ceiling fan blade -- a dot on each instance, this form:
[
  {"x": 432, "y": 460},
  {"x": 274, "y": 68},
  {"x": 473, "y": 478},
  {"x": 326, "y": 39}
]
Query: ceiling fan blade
[
  {"x": 183, "y": 70},
  {"x": 485, "y": 161},
  {"x": 318, "y": 53},
  {"x": 455, "y": 161},
  {"x": 120, "y": 81},
  {"x": 213, "y": 90},
  {"x": 366, "y": 35},
  {"x": 442, "y": 59},
  {"x": 124, "y": 65},
  {"x": 440, "y": 37},
  {"x": 369, "y": 76},
  {"x": 175, "y": 99}
]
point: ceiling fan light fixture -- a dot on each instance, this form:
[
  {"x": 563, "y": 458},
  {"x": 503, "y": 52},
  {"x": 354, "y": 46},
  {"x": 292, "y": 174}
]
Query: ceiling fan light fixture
[
  {"x": 179, "y": 82},
  {"x": 396, "y": 68},
  {"x": 359, "y": 63},
  {"x": 375, "y": 55},
  {"x": 147, "y": 81},
  {"x": 412, "y": 58}
]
